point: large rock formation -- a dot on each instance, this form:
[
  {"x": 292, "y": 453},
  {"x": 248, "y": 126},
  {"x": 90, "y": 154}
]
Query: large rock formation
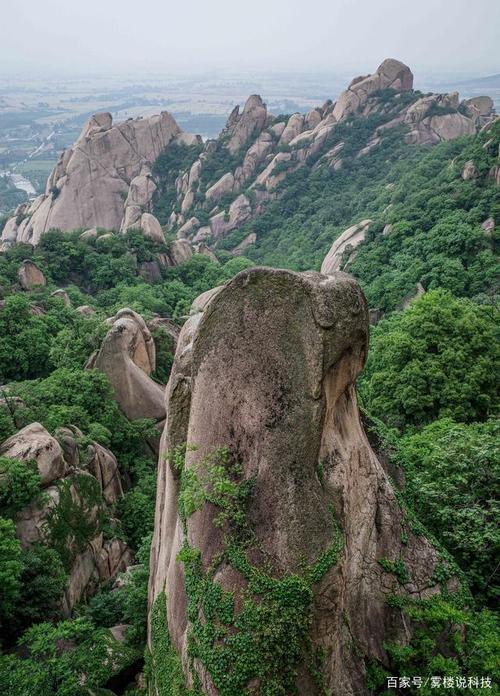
[
  {"x": 104, "y": 180},
  {"x": 62, "y": 467},
  {"x": 267, "y": 369},
  {"x": 127, "y": 356},
  {"x": 29, "y": 275},
  {"x": 241, "y": 127},
  {"x": 390, "y": 74},
  {"x": 264, "y": 150},
  {"x": 34, "y": 443},
  {"x": 348, "y": 241}
]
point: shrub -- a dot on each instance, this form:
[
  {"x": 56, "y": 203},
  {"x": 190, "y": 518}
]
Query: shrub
[{"x": 19, "y": 484}]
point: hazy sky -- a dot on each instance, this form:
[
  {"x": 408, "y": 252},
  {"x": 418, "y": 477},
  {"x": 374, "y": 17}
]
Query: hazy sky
[{"x": 136, "y": 35}]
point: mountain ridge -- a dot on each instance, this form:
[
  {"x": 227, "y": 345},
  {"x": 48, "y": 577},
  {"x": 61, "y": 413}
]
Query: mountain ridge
[{"x": 118, "y": 165}]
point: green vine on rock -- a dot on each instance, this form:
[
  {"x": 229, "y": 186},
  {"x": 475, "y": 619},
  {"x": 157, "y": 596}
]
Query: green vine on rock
[{"x": 257, "y": 640}]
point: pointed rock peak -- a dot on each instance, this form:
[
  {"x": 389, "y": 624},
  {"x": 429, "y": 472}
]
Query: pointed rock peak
[
  {"x": 233, "y": 116},
  {"x": 397, "y": 73},
  {"x": 97, "y": 122},
  {"x": 248, "y": 124},
  {"x": 254, "y": 101}
]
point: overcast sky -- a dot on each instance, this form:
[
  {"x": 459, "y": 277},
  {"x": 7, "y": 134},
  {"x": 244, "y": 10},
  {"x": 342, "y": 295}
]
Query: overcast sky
[{"x": 195, "y": 35}]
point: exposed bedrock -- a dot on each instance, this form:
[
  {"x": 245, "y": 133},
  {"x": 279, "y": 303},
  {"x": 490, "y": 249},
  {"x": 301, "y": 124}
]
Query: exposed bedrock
[
  {"x": 267, "y": 368},
  {"x": 128, "y": 357},
  {"x": 104, "y": 180},
  {"x": 64, "y": 466}
]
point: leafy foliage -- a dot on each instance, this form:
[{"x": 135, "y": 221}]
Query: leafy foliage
[
  {"x": 137, "y": 507},
  {"x": 77, "y": 518},
  {"x": 451, "y": 472},
  {"x": 64, "y": 659},
  {"x": 438, "y": 359},
  {"x": 10, "y": 567},
  {"x": 19, "y": 484},
  {"x": 42, "y": 582},
  {"x": 265, "y": 640},
  {"x": 440, "y": 648},
  {"x": 85, "y": 397}
]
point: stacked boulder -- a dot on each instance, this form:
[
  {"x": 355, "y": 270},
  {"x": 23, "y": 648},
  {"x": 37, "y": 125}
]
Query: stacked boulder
[{"x": 64, "y": 466}]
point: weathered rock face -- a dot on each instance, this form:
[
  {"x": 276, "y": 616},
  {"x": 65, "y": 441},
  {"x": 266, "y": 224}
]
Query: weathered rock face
[
  {"x": 244, "y": 244},
  {"x": 59, "y": 461},
  {"x": 242, "y": 127},
  {"x": 390, "y": 74},
  {"x": 180, "y": 251},
  {"x": 104, "y": 180},
  {"x": 29, "y": 275},
  {"x": 348, "y": 241},
  {"x": 220, "y": 188},
  {"x": 127, "y": 357},
  {"x": 268, "y": 370},
  {"x": 34, "y": 443}
]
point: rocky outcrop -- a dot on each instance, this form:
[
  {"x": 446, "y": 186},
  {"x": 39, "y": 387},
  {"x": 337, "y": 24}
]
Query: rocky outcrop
[
  {"x": 488, "y": 226},
  {"x": 256, "y": 153},
  {"x": 276, "y": 148},
  {"x": 239, "y": 211},
  {"x": 127, "y": 357},
  {"x": 59, "y": 462},
  {"x": 30, "y": 276},
  {"x": 390, "y": 74},
  {"x": 62, "y": 295},
  {"x": 34, "y": 443},
  {"x": 293, "y": 128},
  {"x": 188, "y": 228},
  {"x": 479, "y": 108},
  {"x": 180, "y": 251},
  {"x": 220, "y": 188},
  {"x": 248, "y": 241},
  {"x": 104, "y": 180},
  {"x": 268, "y": 370},
  {"x": 347, "y": 242},
  {"x": 469, "y": 171},
  {"x": 152, "y": 228},
  {"x": 435, "y": 118},
  {"x": 242, "y": 127},
  {"x": 103, "y": 466}
]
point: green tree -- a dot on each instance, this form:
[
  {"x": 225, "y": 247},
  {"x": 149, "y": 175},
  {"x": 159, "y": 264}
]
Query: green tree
[
  {"x": 42, "y": 582},
  {"x": 10, "y": 568},
  {"x": 19, "y": 484},
  {"x": 437, "y": 359},
  {"x": 451, "y": 472}
]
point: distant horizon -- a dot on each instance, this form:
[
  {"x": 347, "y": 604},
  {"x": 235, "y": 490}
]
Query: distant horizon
[
  {"x": 117, "y": 37},
  {"x": 167, "y": 72}
]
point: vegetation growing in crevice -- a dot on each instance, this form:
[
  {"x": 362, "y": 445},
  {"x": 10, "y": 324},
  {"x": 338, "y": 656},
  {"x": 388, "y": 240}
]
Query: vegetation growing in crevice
[
  {"x": 174, "y": 160},
  {"x": 267, "y": 639}
]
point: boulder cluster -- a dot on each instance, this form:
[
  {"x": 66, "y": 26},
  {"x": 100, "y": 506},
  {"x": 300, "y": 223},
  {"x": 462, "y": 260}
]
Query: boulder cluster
[
  {"x": 105, "y": 180},
  {"x": 64, "y": 464}
]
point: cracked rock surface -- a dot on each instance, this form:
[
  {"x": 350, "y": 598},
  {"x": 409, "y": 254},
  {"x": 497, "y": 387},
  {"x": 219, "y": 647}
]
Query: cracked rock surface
[{"x": 267, "y": 368}]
